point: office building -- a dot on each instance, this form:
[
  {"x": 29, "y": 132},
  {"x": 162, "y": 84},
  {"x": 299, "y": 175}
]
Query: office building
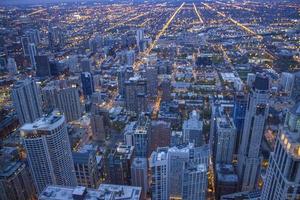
[
  {"x": 136, "y": 95},
  {"x": 292, "y": 119},
  {"x": 119, "y": 163},
  {"x": 139, "y": 175},
  {"x": 287, "y": 82},
  {"x": 25, "y": 42},
  {"x": 226, "y": 137},
  {"x": 32, "y": 51},
  {"x": 192, "y": 129},
  {"x": 100, "y": 123},
  {"x": 104, "y": 192},
  {"x": 256, "y": 115},
  {"x": 86, "y": 65},
  {"x": 158, "y": 164},
  {"x": 283, "y": 174},
  {"x": 226, "y": 180},
  {"x": 152, "y": 81},
  {"x": 194, "y": 183},
  {"x": 48, "y": 151},
  {"x": 86, "y": 169},
  {"x": 139, "y": 38},
  {"x": 124, "y": 73},
  {"x": 27, "y": 101},
  {"x": 239, "y": 112},
  {"x": 87, "y": 84},
  {"x": 15, "y": 177},
  {"x": 65, "y": 99},
  {"x": 166, "y": 89},
  {"x": 42, "y": 66},
  {"x": 11, "y": 66},
  {"x": 177, "y": 157},
  {"x": 160, "y": 135}
]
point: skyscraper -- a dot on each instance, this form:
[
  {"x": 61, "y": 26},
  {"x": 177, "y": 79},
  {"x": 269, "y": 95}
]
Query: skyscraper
[
  {"x": 86, "y": 168},
  {"x": 15, "y": 178},
  {"x": 152, "y": 81},
  {"x": 226, "y": 137},
  {"x": 158, "y": 164},
  {"x": 124, "y": 73},
  {"x": 66, "y": 100},
  {"x": 27, "y": 101},
  {"x": 136, "y": 94},
  {"x": 239, "y": 112},
  {"x": 32, "y": 51},
  {"x": 139, "y": 174},
  {"x": 42, "y": 66},
  {"x": 48, "y": 151},
  {"x": 119, "y": 162},
  {"x": 192, "y": 129},
  {"x": 100, "y": 123},
  {"x": 194, "y": 185},
  {"x": 139, "y": 38},
  {"x": 283, "y": 173},
  {"x": 256, "y": 114},
  {"x": 11, "y": 66},
  {"x": 87, "y": 84}
]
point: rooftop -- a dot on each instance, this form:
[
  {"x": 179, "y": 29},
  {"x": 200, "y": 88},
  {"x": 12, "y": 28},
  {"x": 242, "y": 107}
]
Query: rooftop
[
  {"x": 104, "y": 192},
  {"x": 46, "y": 123}
]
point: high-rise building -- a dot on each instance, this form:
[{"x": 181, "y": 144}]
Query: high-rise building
[
  {"x": 27, "y": 101},
  {"x": 177, "y": 157},
  {"x": 160, "y": 135},
  {"x": 48, "y": 151},
  {"x": 158, "y": 164},
  {"x": 32, "y": 51},
  {"x": 226, "y": 137},
  {"x": 192, "y": 129},
  {"x": 119, "y": 162},
  {"x": 167, "y": 171},
  {"x": 136, "y": 95},
  {"x": 42, "y": 66},
  {"x": 86, "y": 169},
  {"x": 100, "y": 123},
  {"x": 194, "y": 185},
  {"x": 152, "y": 81},
  {"x": 65, "y": 99},
  {"x": 11, "y": 66},
  {"x": 33, "y": 35},
  {"x": 85, "y": 65},
  {"x": 283, "y": 174},
  {"x": 15, "y": 178},
  {"x": 124, "y": 73},
  {"x": 25, "y": 41},
  {"x": 166, "y": 89},
  {"x": 104, "y": 192},
  {"x": 141, "y": 136},
  {"x": 87, "y": 84},
  {"x": 139, "y": 38},
  {"x": 292, "y": 119},
  {"x": 256, "y": 115},
  {"x": 239, "y": 112},
  {"x": 287, "y": 82},
  {"x": 139, "y": 175}
]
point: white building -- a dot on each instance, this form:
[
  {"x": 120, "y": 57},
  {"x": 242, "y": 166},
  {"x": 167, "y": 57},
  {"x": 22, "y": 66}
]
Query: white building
[
  {"x": 192, "y": 129},
  {"x": 226, "y": 137},
  {"x": 139, "y": 174},
  {"x": 139, "y": 37},
  {"x": 65, "y": 99},
  {"x": 256, "y": 115},
  {"x": 27, "y": 101},
  {"x": 32, "y": 53},
  {"x": 159, "y": 176},
  {"x": 194, "y": 185},
  {"x": 48, "y": 151}
]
